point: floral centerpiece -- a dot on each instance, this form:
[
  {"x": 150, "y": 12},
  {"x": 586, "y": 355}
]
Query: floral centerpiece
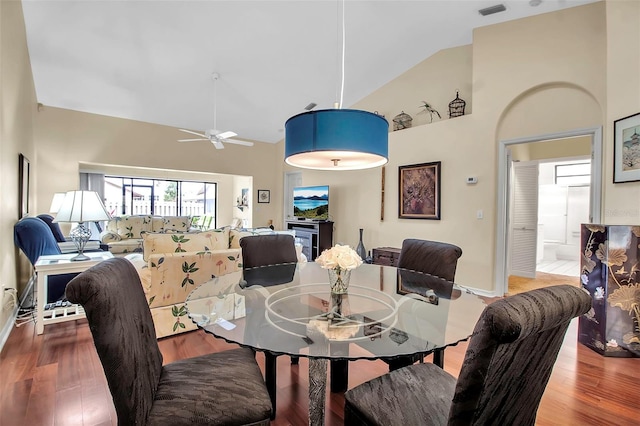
[{"x": 339, "y": 260}]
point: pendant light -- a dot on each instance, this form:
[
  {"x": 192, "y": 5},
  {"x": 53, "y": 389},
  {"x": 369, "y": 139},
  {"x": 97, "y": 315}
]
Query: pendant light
[{"x": 337, "y": 139}]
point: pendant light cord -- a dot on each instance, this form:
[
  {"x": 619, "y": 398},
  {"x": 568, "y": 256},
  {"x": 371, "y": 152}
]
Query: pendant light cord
[{"x": 339, "y": 103}]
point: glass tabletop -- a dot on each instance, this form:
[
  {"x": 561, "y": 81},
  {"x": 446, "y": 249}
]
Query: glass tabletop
[{"x": 289, "y": 309}]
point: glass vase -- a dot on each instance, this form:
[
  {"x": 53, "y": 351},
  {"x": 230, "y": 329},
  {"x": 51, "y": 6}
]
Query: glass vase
[
  {"x": 339, "y": 280},
  {"x": 362, "y": 252}
]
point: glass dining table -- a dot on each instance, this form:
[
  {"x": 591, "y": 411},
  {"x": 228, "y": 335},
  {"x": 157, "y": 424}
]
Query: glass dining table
[{"x": 387, "y": 313}]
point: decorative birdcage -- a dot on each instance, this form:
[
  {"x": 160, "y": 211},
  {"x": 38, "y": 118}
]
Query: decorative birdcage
[
  {"x": 402, "y": 121},
  {"x": 456, "y": 107}
]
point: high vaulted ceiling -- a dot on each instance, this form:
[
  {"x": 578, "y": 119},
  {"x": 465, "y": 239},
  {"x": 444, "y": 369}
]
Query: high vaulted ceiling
[{"x": 153, "y": 60}]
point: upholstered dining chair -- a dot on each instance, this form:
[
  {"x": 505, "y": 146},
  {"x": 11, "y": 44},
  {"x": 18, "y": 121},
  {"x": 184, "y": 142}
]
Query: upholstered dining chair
[
  {"x": 434, "y": 258},
  {"x": 219, "y": 388},
  {"x": 505, "y": 371},
  {"x": 267, "y": 249}
]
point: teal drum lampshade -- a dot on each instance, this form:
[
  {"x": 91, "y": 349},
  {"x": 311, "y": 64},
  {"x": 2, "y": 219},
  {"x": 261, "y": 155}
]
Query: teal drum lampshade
[{"x": 336, "y": 139}]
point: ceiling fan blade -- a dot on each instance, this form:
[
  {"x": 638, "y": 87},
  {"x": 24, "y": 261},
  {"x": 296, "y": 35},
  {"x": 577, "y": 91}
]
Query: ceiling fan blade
[
  {"x": 192, "y": 140},
  {"x": 217, "y": 143},
  {"x": 193, "y": 133},
  {"x": 226, "y": 135},
  {"x": 239, "y": 142}
]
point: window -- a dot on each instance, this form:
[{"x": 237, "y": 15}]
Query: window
[
  {"x": 573, "y": 174},
  {"x": 132, "y": 196}
]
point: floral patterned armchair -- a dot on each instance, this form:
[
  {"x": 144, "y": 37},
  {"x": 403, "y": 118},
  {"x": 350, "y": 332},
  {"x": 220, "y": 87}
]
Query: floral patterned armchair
[{"x": 172, "y": 265}]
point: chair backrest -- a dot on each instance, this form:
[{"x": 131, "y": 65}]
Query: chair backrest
[
  {"x": 431, "y": 257},
  {"x": 34, "y": 238},
  {"x": 55, "y": 228},
  {"x": 123, "y": 333},
  {"x": 511, "y": 354},
  {"x": 262, "y": 250}
]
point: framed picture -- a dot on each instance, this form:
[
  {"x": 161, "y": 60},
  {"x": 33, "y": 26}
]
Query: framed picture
[
  {"x": 23, "y": 168},
  {"x": 264, "y": 196},
  {"x": 626, "y": 149},
  {"x": 419, "y": 191}
]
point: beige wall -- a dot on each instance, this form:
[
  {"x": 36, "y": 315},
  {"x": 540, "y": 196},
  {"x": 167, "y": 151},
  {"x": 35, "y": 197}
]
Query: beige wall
[
  {"x": 622, "y": 200},
  {"x": 17, "y": 109},
  {"x": 67, "y": 139}
]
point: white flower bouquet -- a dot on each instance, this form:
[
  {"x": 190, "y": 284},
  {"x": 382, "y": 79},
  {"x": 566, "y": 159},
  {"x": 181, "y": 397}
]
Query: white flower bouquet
[
  {"x": 339, "y": 260},
  {"x": 339, "y": 257}
]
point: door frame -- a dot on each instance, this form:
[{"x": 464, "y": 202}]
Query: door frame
[{"x": 501, "y": 284}]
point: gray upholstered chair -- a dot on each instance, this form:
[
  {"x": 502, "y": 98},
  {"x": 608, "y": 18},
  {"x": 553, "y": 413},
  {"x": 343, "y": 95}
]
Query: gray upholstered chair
[
  {"x": 434, "y": 258},
  {"x": 504, "y": 374},
  {"x": 265, "y": 250},
  {"x": 219, "y": 388},
  {"x": 268, "y": 249},
  {"x": 431, "y": 257}
]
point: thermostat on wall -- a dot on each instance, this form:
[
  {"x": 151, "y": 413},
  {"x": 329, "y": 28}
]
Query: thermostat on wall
[{"x": 472, "y": 179}]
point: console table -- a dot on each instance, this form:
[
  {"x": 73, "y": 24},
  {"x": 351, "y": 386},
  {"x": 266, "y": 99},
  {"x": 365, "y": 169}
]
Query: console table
[
  {"x": 60, "y": 264},
  {"x": 314, "y": 236}
]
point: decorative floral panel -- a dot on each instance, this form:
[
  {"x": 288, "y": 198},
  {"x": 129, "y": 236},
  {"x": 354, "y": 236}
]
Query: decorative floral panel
[
  {"x": 610, "y": 271},
  {"x": 171, "y": 223},
  {"x": 156, "y": 243}
]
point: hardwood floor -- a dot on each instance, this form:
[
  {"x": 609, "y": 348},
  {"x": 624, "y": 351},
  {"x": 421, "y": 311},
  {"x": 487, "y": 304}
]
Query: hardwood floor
[{"x": 57, "y": 379}]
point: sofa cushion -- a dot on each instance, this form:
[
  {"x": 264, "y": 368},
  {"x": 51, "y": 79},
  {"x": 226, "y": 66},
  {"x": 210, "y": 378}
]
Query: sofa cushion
[
  {"x": 157, "y": 243},
  {"x": 170, "y": 223},
  {"x": 129, "y": 227}
]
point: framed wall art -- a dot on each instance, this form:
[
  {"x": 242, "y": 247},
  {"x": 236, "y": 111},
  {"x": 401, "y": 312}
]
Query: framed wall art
[
  {"x": 419, "y": 192},
  {"x": 264, "y": 196},
  {"x": 23, "y": 194},
  {"x": 626, "y": 149}
]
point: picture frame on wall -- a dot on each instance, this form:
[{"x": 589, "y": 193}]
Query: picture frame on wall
[
  {"x": 419, "y": 192},
  {"x": 23, "y": 194},
  {"x": 264, "y": 196},
  {"x": 626, "y": 149}
]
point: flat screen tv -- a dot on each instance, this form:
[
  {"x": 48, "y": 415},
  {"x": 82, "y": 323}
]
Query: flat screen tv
[{"x": 311, "y": 202}]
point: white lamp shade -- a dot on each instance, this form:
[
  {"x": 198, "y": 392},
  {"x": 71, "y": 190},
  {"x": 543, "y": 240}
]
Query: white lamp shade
[
  {"x": 82, "y": 206},
  {"x": 57, "y": 202}
]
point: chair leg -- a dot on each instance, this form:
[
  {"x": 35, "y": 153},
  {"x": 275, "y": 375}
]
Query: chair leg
[
  {"x": 270, "y": 369},
  {"x": 295, "y": 360},
  {"x": 438, "y": 357}
]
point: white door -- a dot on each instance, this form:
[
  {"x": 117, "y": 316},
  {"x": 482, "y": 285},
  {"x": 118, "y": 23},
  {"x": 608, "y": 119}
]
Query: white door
[
  {"x": 524, "y": 223},
  {"x": 291, "y": 180}
]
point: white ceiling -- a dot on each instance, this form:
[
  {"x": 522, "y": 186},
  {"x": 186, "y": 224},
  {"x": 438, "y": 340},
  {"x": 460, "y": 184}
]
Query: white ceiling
[{"x": 152, "y": 60}]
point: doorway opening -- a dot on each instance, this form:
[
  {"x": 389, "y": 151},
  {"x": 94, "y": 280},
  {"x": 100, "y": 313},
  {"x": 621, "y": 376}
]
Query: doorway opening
[{"x": 518, "y": 226}]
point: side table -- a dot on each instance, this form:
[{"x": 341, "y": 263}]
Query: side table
[{"x": 60, "y": 264}]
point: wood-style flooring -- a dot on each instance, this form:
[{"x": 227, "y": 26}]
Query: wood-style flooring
[{"x": 57, "y": 379}]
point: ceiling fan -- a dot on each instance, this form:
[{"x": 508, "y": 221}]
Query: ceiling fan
[{"x": 216, "y": 137}]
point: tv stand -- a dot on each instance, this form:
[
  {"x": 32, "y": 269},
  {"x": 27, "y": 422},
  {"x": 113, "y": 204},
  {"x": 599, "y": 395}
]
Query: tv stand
[{"x": 314, "y": 236}]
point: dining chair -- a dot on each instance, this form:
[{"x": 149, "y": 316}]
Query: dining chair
[
  {"x": 219, "y": 388},
  {"x": 506, "y": 368},
  {"x": 267, "y": 249},
  {"x": 433, "y": 258}
]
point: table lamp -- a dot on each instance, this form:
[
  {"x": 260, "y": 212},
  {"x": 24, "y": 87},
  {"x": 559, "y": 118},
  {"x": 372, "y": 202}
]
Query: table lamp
[
  {"x": 80, "y": 207},
  {"x": 56, "y": 202}
]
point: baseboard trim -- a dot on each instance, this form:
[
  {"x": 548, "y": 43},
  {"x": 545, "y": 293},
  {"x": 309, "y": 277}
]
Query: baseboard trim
[{"x": 7, "y": 327}]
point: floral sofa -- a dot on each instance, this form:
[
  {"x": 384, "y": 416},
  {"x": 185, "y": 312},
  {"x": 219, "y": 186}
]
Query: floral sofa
[
  {"x": 123, "y": 234},
  {"x": 173, "y": 264}
]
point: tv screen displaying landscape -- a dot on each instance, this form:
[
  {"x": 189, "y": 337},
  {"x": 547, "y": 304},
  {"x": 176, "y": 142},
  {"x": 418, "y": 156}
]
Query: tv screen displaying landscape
[{"x": 311, "y": 202}]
